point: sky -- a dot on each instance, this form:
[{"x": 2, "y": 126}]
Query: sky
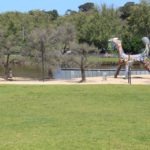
[{"x": 60, "y": 5}]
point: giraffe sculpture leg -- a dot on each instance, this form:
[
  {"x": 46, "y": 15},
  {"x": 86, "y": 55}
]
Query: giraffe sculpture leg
[
  {"x": 118, "y": 69},
  {"x": 146, "y": 65},
  {"x": 120, "y": 64},
  {"x": 126, "y": 71}
]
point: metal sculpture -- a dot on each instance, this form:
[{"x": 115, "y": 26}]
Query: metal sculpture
[{"x": 127, "y": 60}]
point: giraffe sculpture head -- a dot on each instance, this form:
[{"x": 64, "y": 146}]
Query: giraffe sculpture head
[
  {"x": 116, "y": 44},
  {"x": 115, "y": 41}
]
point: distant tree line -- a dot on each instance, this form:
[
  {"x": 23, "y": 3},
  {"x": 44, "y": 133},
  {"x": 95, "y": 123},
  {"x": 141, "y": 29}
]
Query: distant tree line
[{"x": 49, "y": 39}]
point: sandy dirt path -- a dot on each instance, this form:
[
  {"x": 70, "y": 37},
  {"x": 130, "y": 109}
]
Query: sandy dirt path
[{"x": 136, "y": 79}]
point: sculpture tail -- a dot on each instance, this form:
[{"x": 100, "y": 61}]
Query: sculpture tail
[{"x": 147, "y": 45}]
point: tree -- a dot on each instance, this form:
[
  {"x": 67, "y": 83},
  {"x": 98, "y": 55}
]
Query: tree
[
  {"x": 50, "y": 46},
  {"x": 86, "y": 7},
  {"x": 10, "y": 40},
  {"x": 132, "y": 45},
  {"x": 145, "y": 1},
  {"x": 66, "y": 35},
  {"x": 42, "y": 44},
  {"x": 126, "y": 10},
  {"x": 82, "y": 53},
  {"x": 139, "y": 20},
  {"x": 99, "y": 26},
  {"x": 70, "y": 12},
  {"x": 54, "y": 14},
  {"x": 137, "y": 25}
]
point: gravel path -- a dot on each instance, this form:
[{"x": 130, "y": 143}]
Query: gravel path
[{"x": 140, "y": 79}]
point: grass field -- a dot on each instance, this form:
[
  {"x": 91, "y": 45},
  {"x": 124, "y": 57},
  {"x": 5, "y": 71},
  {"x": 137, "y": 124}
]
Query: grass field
[
  {"x": 97, "y": 59},
  {"x": 79, "y": 117}
]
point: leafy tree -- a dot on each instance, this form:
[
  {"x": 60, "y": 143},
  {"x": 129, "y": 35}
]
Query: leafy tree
[
  {"x": 139, "y": 21},
  {"x": 98, "y": 27},
  {"x": 126, "y": 10},
  {"x": 86, "y": 7},
  {"x": 145, "y": 1},
  {"x": 42, "y": 44},
  {"x": 54, "y": 14},
  {"x": 132, "y": 45},
  {"x": 136, "y": 26},
  {"x": 49, "y": 46},
  {"x": 66, "y": 35},
  {"x": 10, "y": 40},
  {"x": 39, "y": 18},
  {"x": 70, "y": 12},
  {"x": 82, "y": 50}
]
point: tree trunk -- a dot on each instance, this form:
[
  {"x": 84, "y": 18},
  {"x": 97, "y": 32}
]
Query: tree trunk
[
  {"x": 82, "y": 68},
  {"x": 50, "y": 74},
  {"x": 7, "y": 67},
  {"x": 43, "y": 61},
  {"x": 83, "y": 77}
]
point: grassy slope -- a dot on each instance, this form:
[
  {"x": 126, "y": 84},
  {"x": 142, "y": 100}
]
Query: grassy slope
[{"x": 91, "y": 117}]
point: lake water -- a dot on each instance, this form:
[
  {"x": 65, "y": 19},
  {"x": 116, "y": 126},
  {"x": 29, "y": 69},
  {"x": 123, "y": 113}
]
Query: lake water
[
  {"x": 35, "y": 72},
  {"x": 75, "y": 73}
]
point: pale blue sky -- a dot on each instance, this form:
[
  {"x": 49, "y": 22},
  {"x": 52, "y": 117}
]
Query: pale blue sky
[{"x": 60, "y": 5}]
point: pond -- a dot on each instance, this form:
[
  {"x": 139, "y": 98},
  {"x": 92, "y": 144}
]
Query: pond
[
  {"x": 75, "y": 73},
  {"x": 32, "y": 71}
]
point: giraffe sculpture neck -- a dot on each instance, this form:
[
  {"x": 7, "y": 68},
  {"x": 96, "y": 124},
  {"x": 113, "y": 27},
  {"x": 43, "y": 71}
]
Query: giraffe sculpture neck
[{"x": 120, "y": 49}]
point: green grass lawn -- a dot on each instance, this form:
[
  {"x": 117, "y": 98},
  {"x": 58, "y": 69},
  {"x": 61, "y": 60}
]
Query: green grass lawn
[
  {"x": 79, "y": 117},
  {"x": 96, "y": 59}
]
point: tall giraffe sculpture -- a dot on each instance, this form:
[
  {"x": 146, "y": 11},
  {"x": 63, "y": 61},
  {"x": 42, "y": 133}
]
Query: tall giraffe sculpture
[{"x": 125, "y": 59}]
